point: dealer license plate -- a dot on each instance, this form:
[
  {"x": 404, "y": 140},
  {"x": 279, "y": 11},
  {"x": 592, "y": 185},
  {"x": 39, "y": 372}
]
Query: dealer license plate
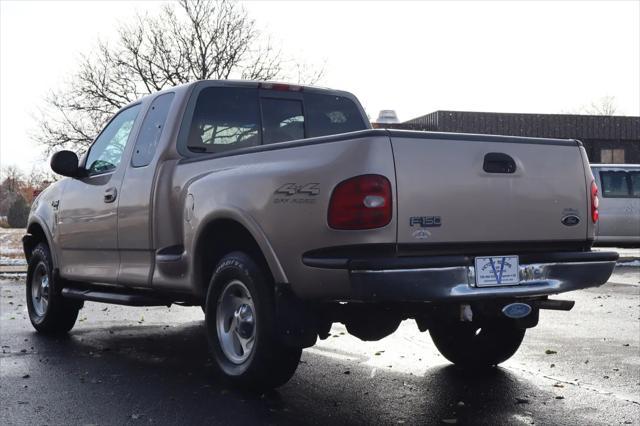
[{"x": 497, "y": 270}]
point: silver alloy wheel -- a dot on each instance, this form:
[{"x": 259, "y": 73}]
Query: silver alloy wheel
[
  {"x": 236, "y": 322},
  {"x": 40, "y": 290}
]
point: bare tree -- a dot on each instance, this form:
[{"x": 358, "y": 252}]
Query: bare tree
[
  {"x": 605, "y": 105},
  {"x": 187, "y": 41},
  {"x": 12, "y": 178},
  {"x": 11, "y": 184},
  {"x": 14, "y": 184}
]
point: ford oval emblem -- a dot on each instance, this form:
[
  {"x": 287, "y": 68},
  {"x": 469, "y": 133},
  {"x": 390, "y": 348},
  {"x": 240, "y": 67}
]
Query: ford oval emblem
[
  {"x": 516, "y": 310},
  {"x": 570, "y": 220}
]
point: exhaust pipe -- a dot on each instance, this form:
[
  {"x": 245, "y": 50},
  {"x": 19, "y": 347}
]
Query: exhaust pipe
[{"x": 555, "y": 305}]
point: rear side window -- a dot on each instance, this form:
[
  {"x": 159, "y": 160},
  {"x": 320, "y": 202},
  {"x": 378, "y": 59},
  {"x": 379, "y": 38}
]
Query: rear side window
[
  {"x": 282, "y": 120},
  {"x": 224, "y": 118},
  {"x": 151, "y": 130},
  {"x": 330, "y": 115},
  {"x": 620, "y": 184},
  {"x": 635, "y": 183}
]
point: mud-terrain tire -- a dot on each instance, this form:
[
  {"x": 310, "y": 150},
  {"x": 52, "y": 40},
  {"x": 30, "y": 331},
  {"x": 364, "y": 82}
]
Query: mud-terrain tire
[
  {"x": 471, "y": 346},
  {"x": 49, "y": 312},
  {"x": 241, "y": 329}
]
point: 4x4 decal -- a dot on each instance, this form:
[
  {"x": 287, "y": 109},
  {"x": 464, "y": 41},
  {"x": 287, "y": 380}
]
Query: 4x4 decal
[
  {"x": 293, "y": 193},
  {"x": 294, "y": 188}
]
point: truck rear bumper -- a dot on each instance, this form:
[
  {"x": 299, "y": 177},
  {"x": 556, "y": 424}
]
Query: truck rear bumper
[{"x": 452, "y": 278}]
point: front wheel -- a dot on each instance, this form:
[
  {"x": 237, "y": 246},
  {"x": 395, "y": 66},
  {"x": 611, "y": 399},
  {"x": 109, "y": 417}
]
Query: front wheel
[
  {"x": 470, "y": 345},
  {"x": 49, "y": 312},
  {"x": 241, "y": 328}
]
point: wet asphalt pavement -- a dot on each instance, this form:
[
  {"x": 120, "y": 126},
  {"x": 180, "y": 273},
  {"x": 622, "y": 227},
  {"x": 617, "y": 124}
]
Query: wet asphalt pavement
[{"x": 142, "y": 366}]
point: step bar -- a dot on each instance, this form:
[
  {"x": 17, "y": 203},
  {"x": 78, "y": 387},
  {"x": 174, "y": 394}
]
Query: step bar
[{"x": 116, "y": 298}]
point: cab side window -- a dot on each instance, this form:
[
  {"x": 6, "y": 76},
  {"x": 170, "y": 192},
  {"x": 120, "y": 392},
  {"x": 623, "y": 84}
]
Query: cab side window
[
  {"x": 635, "y": 184},
  {"x": 106, "y": 152},
  {"x": 620, "y": 184},
  {"x": 330, "y": 115}
]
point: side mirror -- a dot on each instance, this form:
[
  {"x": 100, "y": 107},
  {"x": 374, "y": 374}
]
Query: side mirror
[{"x": 65, "y": 163}]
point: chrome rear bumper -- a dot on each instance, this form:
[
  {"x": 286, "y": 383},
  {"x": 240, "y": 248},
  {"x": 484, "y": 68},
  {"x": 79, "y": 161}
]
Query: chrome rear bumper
[
  {"x": 458, "y": 283},
  {"x": 452, "y": 278}
]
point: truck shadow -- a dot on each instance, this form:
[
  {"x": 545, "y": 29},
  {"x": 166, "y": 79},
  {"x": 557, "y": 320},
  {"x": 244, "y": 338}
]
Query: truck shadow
[{"x": 164, "y": 374}]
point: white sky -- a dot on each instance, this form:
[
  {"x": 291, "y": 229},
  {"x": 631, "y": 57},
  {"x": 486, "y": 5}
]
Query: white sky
[{"x": 414, "y": 57}]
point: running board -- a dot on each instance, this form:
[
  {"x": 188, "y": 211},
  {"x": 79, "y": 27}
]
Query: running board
[{"x": 129, "y": 299}]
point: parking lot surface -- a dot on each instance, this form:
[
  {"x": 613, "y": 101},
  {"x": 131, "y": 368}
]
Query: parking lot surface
[{"x": 123, "y": 365}]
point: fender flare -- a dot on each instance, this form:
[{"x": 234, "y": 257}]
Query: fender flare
[
  {"x": 36, "y": 220},
  {"x": 237, "y": 215}
]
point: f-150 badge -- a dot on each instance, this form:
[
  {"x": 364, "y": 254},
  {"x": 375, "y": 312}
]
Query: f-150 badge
[{"x": 425, "y": 221}]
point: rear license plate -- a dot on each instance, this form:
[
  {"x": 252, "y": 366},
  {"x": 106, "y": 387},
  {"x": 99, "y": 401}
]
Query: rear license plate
[{"x": 497, "y": 270}]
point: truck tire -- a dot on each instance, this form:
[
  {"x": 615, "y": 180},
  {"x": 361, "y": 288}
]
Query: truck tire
[
  {"x": 241, "y": 328},
  {"x": 49, "y": 312},
  {"x": 469, "y": 345}
]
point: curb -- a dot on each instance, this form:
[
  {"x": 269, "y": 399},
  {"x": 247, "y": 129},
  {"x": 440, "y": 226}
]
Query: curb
[
  {"x": 10, "y": 269},
  {"x": 623, "y": 260}
]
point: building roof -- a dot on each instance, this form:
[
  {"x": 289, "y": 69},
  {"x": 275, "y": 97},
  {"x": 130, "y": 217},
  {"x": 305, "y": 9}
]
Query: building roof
[{"x": 540, "y": 125}]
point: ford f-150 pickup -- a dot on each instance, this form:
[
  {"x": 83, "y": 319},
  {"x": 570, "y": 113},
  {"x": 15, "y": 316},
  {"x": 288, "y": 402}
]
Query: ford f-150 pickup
[{"x": 279, "y": 210}]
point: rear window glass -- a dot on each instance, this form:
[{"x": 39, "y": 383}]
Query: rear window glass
[
  {"x": 225, "y": 118},
  {"x": 282, "y": 120},
  {"x": 620, "y": 184},
  {"x": 331, "y": 115}
]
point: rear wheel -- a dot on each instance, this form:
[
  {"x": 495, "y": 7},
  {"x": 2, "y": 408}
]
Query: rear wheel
[
  {"x": 48, "y": 311},
  {"x": 241, "y": 329},
  {"x": 470, "y": 345}
]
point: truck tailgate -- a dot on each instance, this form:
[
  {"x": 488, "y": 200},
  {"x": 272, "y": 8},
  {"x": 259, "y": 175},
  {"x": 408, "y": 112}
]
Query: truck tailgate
[{"x": 445, "y": 194}]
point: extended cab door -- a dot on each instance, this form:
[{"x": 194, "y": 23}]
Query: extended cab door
[
  {"x": 136, "y": 202},
  {"x": 87, "y": 211}
]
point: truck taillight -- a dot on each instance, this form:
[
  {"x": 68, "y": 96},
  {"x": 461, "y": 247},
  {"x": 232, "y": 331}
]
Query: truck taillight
[
  {"x": 594, "y": 201},
  {"x": 362, "y": 202}
]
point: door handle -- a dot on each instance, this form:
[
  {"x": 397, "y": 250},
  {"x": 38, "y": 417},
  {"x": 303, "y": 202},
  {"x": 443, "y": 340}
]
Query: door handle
[
  {"x": 497, "y": 162},
  {"x": 110, "y": 195}
]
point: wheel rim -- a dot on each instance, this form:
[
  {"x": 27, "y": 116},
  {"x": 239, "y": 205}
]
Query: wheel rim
[
  {"x": 40, "y": 290},
  {"x": 236, "y": 322}
]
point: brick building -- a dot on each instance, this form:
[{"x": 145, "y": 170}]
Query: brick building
[{"x": 607, "y": 139}]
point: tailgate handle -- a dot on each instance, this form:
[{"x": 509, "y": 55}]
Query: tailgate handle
[{"x": 497, "y": 162}]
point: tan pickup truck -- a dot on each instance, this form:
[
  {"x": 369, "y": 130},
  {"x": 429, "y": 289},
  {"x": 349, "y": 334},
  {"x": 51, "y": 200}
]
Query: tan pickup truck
[{"x": 280, "y": 211}]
